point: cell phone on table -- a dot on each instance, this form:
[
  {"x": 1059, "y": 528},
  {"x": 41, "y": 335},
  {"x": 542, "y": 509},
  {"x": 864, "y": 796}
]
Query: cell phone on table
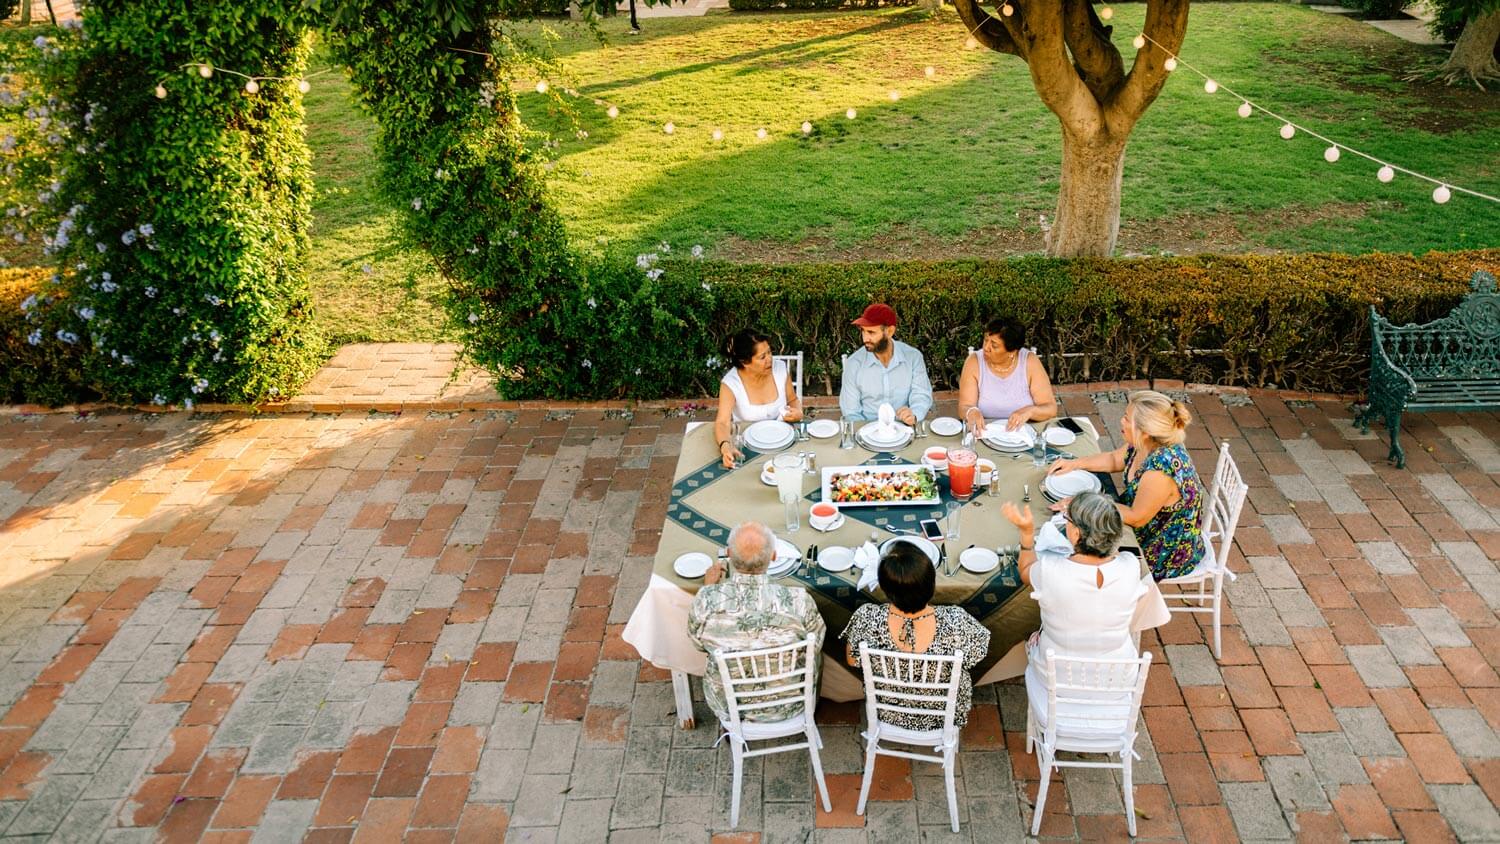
[
  {"x": 930, "y": 529},
  {"x": 1067, "y": 422}
]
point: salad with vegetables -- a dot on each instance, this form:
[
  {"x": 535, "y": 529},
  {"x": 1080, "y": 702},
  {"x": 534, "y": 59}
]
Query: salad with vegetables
[{"x": 893, "y": 485}]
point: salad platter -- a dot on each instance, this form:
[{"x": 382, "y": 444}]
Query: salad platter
[{"x": 880, "y": 486}]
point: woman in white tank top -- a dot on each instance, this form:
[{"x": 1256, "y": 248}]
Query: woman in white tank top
[{"x": 757, "y": 388}]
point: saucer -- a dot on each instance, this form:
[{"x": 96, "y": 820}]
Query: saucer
[
  {"x": 693, "y": 564},
  {"x": 838, "y": 522}
]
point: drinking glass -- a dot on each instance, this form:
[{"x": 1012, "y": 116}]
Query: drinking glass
[
  {"x": 1039, "y": 452},
  {"x": 954, "y": 508},
  {"x": 793, "y": 510},
  {"x": 961, "y": 472},
  {"x": 788, "y": 475},
  {"x": 846, "y": 433}
]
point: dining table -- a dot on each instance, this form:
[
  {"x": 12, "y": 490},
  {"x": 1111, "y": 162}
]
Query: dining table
[{"x": 708, "y": 500}]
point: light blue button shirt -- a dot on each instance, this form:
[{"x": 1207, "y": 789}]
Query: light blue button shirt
[{"x": 868, "y": 383}]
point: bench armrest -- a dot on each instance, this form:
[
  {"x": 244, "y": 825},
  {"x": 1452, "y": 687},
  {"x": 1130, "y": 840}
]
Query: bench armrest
[{"x": 1390, "y": 385}]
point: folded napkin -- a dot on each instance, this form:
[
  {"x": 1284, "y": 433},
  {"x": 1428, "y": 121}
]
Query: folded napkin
[
  {"x": 867, "y": 560},
  {"x": 1053, "y": 538},
  {"x": 885, "y": 423},
  {"x": 1022, "y": 435}
]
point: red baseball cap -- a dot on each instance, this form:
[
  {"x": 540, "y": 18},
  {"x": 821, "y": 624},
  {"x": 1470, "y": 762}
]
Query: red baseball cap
[{"x": 877, "y": 314}]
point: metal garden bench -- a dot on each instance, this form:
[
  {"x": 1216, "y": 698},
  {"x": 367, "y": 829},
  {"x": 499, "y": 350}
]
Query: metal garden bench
[{"x": 1451, "y": 363}]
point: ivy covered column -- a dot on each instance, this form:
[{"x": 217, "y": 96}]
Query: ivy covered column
[{"x": 189, "y": 200}]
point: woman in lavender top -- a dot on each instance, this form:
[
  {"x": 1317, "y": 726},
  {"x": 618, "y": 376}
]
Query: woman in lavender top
[{"x": 1004, "y": 380}]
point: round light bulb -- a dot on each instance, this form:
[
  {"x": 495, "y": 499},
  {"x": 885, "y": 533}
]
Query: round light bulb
[
  {"x": 1170, "y": 64},
  {"x": 541, "y": 87},
  {"x": 1441, "y": 194},
  {"x": 1139, "y": 42},
  {"x": 760, "y": 133},
  {"x": 894, "y": 95},
  {"x": 1106, "y": 13},
  {"x": 718, "y": 135},
  {"x": 304, "y": 86},
  {"x": 1210, "y": 86},
  {"x": 251, "y": 86},
  {"x": 929, "y": 71},
  {"x": 161, "y": 92},
  {"x": 851, "y": 114},
  {"x": 205, "y": 70},
  {"x": 1331, "y": 154},
  {"x": 614, "y": 111},
  {"x": 971, "y": 43},
  {"x": 1288, "y": 130},
  {"x": 1245, "y": 109},
  {"x": 1007, "y": 10},
  {"x": 806, "y": 128},
  {"x": 1385, "y": 173},
  {"x": 669, "y": 128}
]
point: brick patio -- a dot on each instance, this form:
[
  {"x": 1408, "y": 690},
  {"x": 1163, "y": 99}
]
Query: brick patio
[{"x": 349, "y": 626}]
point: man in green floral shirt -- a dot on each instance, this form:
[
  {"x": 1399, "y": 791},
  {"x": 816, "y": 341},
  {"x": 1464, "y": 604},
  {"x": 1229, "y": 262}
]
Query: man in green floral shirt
[{"x": 749, "y": 612}]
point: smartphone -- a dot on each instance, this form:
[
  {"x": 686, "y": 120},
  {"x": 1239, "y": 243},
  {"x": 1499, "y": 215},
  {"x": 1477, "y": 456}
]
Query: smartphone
[
  {"x": 931, "y": 529},
  {"x": 1067, "y": 422}
]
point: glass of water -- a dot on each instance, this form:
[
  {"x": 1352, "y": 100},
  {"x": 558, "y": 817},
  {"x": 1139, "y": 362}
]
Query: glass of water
[{"x": 954, "y": 508}]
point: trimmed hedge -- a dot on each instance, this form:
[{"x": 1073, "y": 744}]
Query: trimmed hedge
[
  {"x": 766, "y": 5},
  {"x": 1289, "y": 321}
]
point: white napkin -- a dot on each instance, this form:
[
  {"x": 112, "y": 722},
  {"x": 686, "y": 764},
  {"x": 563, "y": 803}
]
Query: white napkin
[
  {"x": 867, "y": 560},
  {"x": 997, "y": 433},
  {"x": 1051, "y": 537},
  {"x": 885, "y": 424}
]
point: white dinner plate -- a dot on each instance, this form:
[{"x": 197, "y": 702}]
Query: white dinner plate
[
  {"x": 836, "y": 558},
  {"x": 1069, "y": 484},
  {"x": 822, "y": 428},
  {"x": 920, "y": 541},
  {"x": 769, "y": 434},
  {"x": 979, "y": 560},
  {"x": 1059, "y": 436},
  {"x": 693, "y": 564},
  {"x": 946, "y": 426},
  {"x": 897, "y": 433},
  {"x": 1023, "y": 436}
]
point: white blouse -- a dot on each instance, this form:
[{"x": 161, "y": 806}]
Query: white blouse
[
  {"x": 1079, "y": 618},
  {"x": 744, "y": 411}
]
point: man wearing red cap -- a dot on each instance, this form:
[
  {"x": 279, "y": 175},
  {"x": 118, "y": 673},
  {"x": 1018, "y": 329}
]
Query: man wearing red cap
[{"x": 885, "y": 371}]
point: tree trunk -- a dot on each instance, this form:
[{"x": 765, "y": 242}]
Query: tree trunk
[
  {"x": 1088, "y": 199},
  {"x": 1473, "y": 55}
]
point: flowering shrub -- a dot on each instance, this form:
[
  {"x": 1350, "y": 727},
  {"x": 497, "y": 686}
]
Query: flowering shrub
[
  {"x": 32, "y": 370},
  {"x": 182, "y": 201}
]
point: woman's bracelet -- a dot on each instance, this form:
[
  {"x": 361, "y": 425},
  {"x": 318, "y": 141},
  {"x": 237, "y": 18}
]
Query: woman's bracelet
[{"x": 723, "y": 443}]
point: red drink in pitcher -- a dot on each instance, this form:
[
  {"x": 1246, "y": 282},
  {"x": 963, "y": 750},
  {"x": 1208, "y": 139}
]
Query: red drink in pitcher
[{"x": 961, "y": 471}]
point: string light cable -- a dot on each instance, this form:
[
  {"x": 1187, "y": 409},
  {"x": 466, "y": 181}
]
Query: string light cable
[
  {"x": 1289, "y": 128},
  {"x": 252, "y": 83}
]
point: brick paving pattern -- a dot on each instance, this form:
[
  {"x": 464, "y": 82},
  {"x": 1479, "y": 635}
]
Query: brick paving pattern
[{"x": 359, "y": 626}]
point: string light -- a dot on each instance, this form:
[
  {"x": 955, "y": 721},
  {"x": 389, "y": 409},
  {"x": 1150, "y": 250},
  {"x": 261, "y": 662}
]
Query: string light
[
  {"x": 1210, "y": 86},
  {"x": 1170, "y": 64},
  {"x": 806, "y": 128},
  {"x": 252, "y": 87},
  {"x": 1106, "y": 13},
  {"x": 929, "y": 71},
  {"x": 971, "y": 43},
  {"x": 669, "y": 128},
  {"x": 1139, "y": 42},
  {"x": 161, "y": 92},
  {"x": 760, "y": 133},
  {"x": 541, "y": 86},
  {"x": 205, "y": 70},
  {"x": 1007, "y": 10},
  {"x": 851, "y": 114},
  {"x": 1334, "y": 151},
  {"x": 252, "y": 83},
  {"x": 614, "y": 111},
  {"x": 894, "y": 95},
  {"x": 718, "y": 134}
]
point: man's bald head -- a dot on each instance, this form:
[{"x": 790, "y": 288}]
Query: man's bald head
[{"x": 751, "y": 547}]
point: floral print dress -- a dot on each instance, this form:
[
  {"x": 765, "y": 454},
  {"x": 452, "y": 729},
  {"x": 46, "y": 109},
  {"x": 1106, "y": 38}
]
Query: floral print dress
[
  {"x": 956, "y": 631},
  {"x": 1172, "y": 542}
]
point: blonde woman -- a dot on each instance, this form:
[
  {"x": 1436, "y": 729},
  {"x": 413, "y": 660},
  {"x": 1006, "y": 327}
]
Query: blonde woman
[{"x": 1162, "y": 498}]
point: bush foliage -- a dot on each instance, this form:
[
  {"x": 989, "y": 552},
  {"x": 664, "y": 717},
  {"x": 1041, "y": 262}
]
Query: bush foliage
[{"x": 764, "y": 5}]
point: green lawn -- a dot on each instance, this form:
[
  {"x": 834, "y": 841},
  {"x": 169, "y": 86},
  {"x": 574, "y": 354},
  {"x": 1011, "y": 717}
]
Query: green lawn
[{"x": 962, "y": 164}]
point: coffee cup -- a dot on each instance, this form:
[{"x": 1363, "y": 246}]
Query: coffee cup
[
  {"x": 822, "y": 515},
  {"x": 936, "y": 457}
]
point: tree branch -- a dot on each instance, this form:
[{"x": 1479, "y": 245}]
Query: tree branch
[
  {"x": 1095, "y": 55},
  {"x": 1166, "y": 24},
  {"x": 986, "y": 29},
  {"x": 1040, "y": 25}
]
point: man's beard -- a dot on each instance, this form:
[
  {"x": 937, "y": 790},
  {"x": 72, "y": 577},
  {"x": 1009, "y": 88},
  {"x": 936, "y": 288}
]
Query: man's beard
[{"x": 880, "y": 347}]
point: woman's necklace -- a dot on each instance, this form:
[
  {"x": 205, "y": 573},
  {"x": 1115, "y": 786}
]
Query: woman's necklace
[{"x": 1005, "y": 370}]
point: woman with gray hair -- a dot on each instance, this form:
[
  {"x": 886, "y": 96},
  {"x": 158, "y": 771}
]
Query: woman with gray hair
[{"x": 1087, "y": 597}]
